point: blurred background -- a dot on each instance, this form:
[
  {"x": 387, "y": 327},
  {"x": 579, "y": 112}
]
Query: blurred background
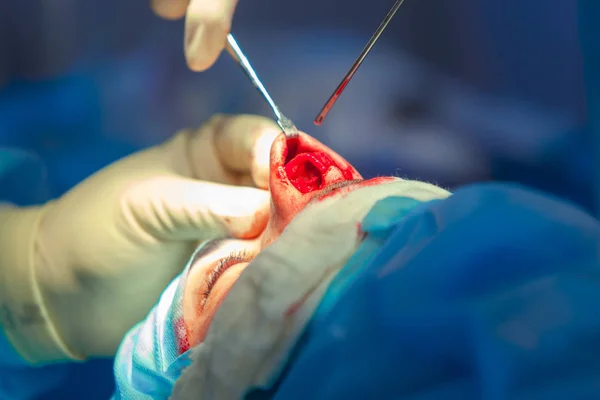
[{"x": 456, "y": 91}]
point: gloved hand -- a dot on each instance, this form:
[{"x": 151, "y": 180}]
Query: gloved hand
[
  {"x": 207, "y": 23},
  {"x": 77, "y": 273}
]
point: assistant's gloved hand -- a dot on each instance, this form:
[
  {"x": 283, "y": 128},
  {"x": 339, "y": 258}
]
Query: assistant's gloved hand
[
  {"x": 77, "y": 273},
  {"x": 207, "y": 23}
]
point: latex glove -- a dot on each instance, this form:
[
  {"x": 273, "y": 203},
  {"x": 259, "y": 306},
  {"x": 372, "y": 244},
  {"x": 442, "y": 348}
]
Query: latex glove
[
  {"x": 207, "y": 23},
  {"x": 77, "y": 273}
]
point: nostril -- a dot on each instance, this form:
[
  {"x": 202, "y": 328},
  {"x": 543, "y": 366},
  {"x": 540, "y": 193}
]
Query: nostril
[
  {"x": 310, "y": 166},
  {"x": 306, "y": 171},
  {"x": 300, "y": 167}
]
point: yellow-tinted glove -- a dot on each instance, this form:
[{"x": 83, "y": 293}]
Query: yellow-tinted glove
[{"x": 77, "y": 273}]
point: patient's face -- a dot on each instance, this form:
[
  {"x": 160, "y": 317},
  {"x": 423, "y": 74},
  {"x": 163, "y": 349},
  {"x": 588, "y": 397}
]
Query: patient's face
[{"x": 304, "y": 172}]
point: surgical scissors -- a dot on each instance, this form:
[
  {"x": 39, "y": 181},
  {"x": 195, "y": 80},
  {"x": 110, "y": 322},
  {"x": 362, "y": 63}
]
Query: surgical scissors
[
  {"x": 338, "y": 91},
  {"x": 286, "y": 124}
]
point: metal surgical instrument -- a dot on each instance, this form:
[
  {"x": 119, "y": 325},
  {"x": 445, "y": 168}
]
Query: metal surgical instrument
[
  {"x": 286, "y": 124},
  {"x": 325, "y": 110}
]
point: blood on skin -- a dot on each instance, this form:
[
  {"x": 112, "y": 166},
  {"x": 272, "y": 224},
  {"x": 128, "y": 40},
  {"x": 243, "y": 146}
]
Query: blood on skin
[
  {"x": 181, "y": 334},
  {"x": 300, "y": 167}
]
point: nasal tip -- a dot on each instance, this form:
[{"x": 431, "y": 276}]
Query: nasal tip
[{"x": 299, "y": 167}]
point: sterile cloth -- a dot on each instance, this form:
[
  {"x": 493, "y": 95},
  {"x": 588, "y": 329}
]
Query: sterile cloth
[{"x": 493, "y": 293}]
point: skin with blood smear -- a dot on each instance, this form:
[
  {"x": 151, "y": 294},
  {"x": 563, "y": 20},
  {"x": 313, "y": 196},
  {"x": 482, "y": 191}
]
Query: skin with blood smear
[{"x": 302, "y": 170}]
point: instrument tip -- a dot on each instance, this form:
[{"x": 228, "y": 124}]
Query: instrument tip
[{"x": 289, "y": 129}]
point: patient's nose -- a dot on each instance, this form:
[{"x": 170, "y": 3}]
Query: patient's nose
[{"x": 300, "y": 167}]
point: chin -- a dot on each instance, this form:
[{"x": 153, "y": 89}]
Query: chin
[{"x": 243, "y": 317}]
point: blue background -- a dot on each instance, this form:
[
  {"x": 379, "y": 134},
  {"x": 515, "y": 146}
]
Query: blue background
[{"x": 457, "y": 91}]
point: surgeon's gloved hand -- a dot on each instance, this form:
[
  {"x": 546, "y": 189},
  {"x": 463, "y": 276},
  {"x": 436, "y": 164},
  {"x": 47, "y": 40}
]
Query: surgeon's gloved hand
[
  {"x": 77, "y": 273},
  {"x": 207, "y": 23}
]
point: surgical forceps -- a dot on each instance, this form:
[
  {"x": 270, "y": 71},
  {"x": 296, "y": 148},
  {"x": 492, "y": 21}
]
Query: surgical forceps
[
  {"x": 286, "y": 124},
  {"x": 338, "y": 91}
]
